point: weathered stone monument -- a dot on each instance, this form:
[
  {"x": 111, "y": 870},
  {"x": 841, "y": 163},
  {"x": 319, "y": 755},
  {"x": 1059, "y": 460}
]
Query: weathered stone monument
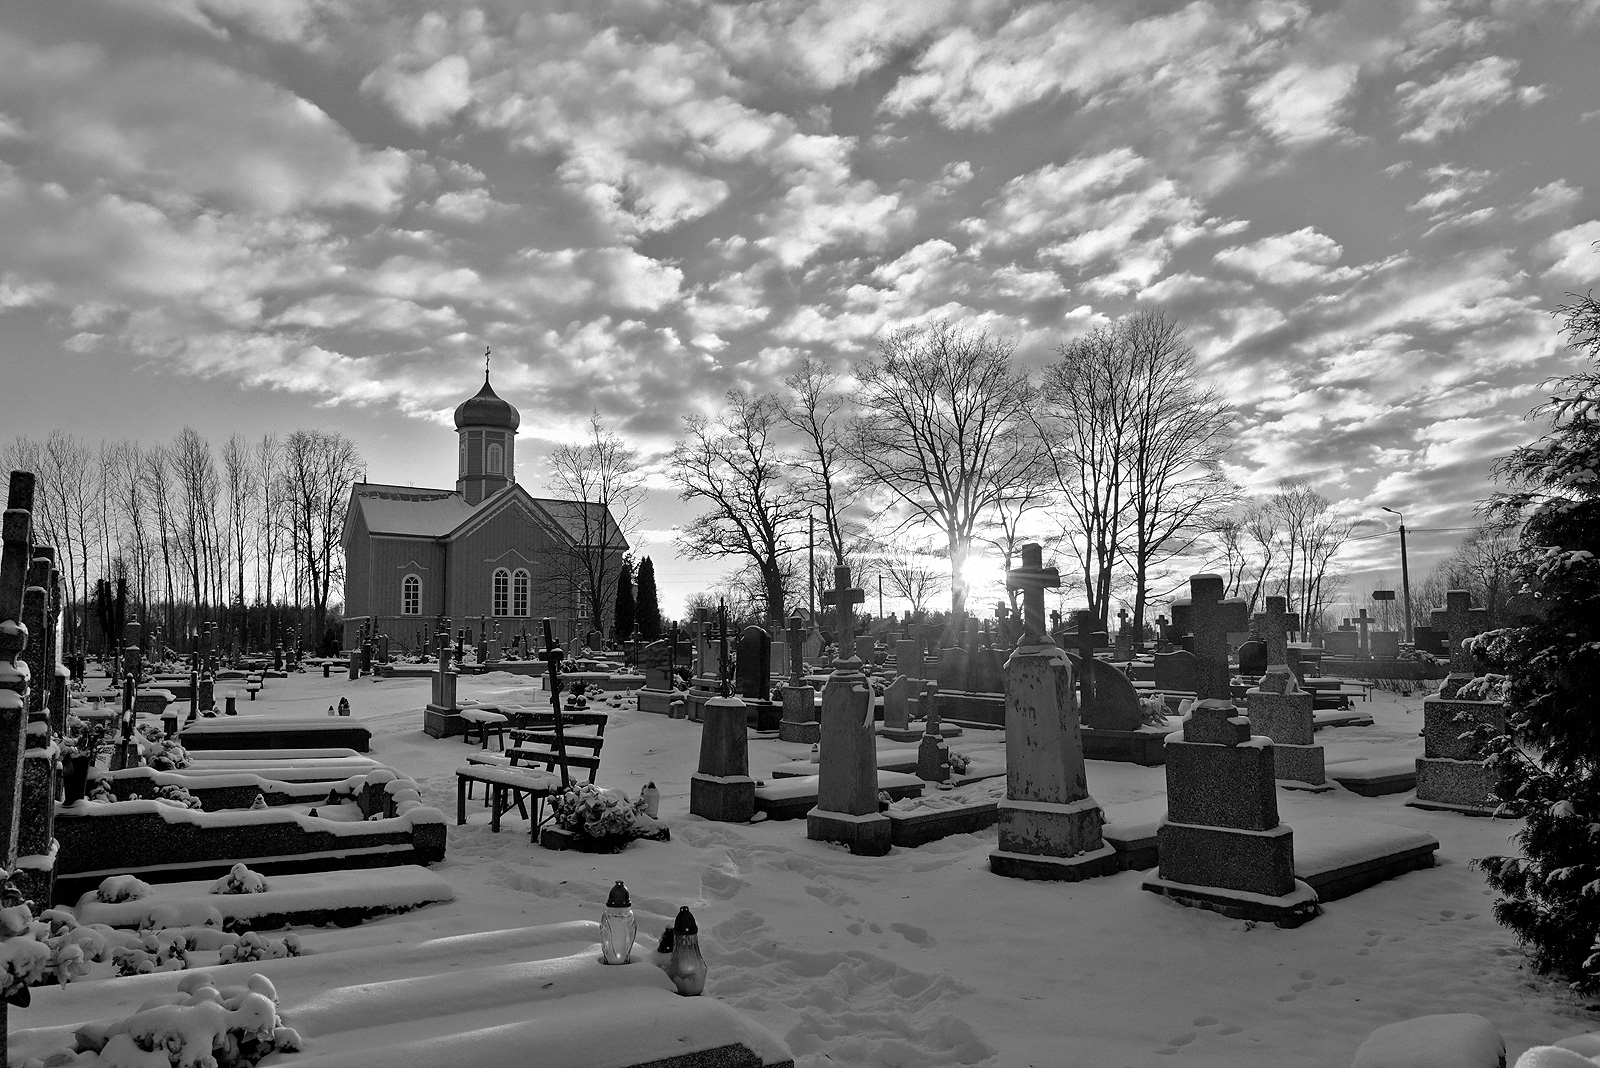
[
  {"x": 799, "y": 723},
  {"x": 1280, "y": 710},
  {"x": 1211, "y": 619},
  {"x": 655, "y": 661},
  {"x": 847, "y": 773},
  {"x": 722, "y": 789},
  {"x": 1049, "y": 825},
  {"x": 1452, "y": 773},
  {"x": 933, "y": 752},
  {"x": 754, "y": 679},
  {"x": 442, "y": 718},
  {"x": 1221, "y": 845}
]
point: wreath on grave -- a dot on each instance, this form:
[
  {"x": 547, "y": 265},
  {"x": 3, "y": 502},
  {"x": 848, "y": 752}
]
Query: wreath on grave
[{"x": 603, "y": 820}]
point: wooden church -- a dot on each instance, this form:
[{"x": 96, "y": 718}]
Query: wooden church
[{"x": 486, "y": 550}]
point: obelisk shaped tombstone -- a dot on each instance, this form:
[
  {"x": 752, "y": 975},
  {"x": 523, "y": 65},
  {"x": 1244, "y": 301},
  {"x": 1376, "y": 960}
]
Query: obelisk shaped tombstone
[
  {"x": 847, "y": 773},
  {"x": 1049, "y": 825},
  {"x": 722, "y": 789}
]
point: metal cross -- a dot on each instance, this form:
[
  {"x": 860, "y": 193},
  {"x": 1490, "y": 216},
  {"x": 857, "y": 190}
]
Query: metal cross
[
  {"x": 722, "y": 649},
  {"x": 1033, "y": 578}
]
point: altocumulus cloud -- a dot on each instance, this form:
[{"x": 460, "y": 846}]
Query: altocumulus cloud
[{"x": 1361, "y": 213}]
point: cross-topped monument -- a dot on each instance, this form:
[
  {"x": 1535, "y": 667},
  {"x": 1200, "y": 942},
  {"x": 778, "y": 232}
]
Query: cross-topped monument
[
  {"x": 1459, "y": 621},
  {"x": 797, "y": 663},
  {"x": 1033, "y": 578},
  {"x": 1211, "y": 618},
  {"x": 1086, "y": 622},
  {"x": 1363, "y": 621},
  {"x": 843, "y": 597},
  {"x": 1272, "y": 627},
  {"x": 552, "y": 656}
]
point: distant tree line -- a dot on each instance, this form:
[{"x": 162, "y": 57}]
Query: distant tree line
[
  {"x": 938, "y": 445},
  {"x": 247, "y": 537}
]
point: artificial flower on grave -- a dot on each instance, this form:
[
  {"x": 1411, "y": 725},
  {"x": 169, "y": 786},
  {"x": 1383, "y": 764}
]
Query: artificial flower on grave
[
  {"x": 90, "y": 738},
  {"x": 586, "y": 809}
]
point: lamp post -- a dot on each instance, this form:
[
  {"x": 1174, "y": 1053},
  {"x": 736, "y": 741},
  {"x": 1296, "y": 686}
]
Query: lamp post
[{"x": 1405, "y": 571}]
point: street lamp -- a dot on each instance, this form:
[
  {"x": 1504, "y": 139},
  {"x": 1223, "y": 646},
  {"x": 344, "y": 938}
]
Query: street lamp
[{"x": 1405, "y": 572}]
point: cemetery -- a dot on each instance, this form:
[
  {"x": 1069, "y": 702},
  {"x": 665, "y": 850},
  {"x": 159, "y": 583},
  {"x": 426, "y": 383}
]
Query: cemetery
[
  {"x": 1280, "y": 905},
  {"x": 770, "y": 534}
]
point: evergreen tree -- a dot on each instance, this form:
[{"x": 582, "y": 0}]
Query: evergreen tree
[
  {"x": 648, "y": 607},
  {"x": 624, "y": 617},
  {"x": 1547, "y": 759}
]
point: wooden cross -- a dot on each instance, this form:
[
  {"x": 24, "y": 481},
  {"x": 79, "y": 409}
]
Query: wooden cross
[
  {"x": 553, "y": 656},
  {"x": 1033, "y": 578},
  {"x": 842, "y": 597},
  {"x": 1210, "y": 620},
  {"x": 1460, "y": 621}
]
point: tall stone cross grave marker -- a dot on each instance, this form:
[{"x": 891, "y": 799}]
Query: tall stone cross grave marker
[
  {"x": 722, "y": 789},
  {"x": 1458, "y": 620},
  {"x": 1211, "y": 620},
  {"x": 1274, "y": 627},
  {"x": 799, "y": 722},
  {"x": 847, "y": 773},
  {"x": 1049, "y": 825}
]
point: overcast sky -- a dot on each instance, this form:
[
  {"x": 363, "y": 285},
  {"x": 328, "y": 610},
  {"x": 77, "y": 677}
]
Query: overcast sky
[{"x": 260, "y": 215}]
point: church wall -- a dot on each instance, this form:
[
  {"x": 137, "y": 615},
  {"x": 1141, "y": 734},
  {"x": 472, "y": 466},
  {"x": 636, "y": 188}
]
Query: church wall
[
  {"x": 357, "y": 566},
  {"x": 511, "y": 540}
]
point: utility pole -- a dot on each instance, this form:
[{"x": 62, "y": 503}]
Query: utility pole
[
  {"x": 880, "y": 597},
  {"x": 1405, "y": 572},
  {"x": 811, "y": 566}
]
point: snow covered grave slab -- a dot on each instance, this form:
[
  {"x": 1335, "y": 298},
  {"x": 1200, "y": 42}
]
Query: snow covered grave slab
[
  {"x": 534, "y": 995},
  {"x": 901, "y": 758},
  {"x": 231, "y": 789},
  {"x": 1375, "y": 776},
  {"x": 276, "y": 732},
  {"x": 160, "y": 842},
  {"x": 791, "y": 799},
  {"x": 341, "y": 897},
  {"x": 1340, "y": 717},
  {"x": 1338, "y": 857}
]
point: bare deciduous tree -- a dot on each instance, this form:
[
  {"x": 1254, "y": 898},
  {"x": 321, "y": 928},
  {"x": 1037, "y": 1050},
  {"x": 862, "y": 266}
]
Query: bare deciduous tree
[
  {"x": 319, "y": 467},
  {"x": 603, "y": 475},
  {"x": 943, "y": 428},
  {"x": 732, "y": 465}
]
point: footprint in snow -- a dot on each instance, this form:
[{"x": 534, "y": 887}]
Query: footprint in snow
[
  {"x": 1204, "y": 1021},
  {"x": 915, "y": 935}
]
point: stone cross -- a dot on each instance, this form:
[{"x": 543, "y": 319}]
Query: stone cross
[
  {"x": 672, "y": 654},
  {"x": 1122, "y": 621},
  {"x": 1460, "y": 621},
  {"x": 797, "y": 664},
  {"x": 1363, "y": 621},
  {"x": 842, "y": 597},
  {"x": 1209, "y": 621},
  {"x": 1033, "y": 578},
  {"x": 1276, "y": 623}
]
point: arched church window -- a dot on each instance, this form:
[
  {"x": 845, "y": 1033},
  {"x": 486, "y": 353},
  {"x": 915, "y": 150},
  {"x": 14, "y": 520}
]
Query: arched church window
[
  {"x": 519, "y": 592},
  {"x": 502, "y": 592},
  {"x": 497, "y": 463},
  {"x": 411, "y": 596}
]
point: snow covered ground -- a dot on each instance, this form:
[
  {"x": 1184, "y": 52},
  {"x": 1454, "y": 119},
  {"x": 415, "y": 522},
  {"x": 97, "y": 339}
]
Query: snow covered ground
[{"x": 925, "y": 958}]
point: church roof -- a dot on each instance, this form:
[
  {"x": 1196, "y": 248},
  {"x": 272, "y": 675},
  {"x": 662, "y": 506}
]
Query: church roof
[
  {"x": 437, "y": 513},
  {"x": 429, "y": 513},
  {"x": 485, "y": 408}
]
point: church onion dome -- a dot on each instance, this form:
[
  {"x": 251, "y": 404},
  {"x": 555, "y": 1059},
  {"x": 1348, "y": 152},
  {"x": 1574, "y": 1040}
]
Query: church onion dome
[{"x": 487, "y": 409}]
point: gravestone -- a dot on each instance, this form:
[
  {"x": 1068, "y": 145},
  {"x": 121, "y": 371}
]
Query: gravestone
[
  {"x": 1281, "y": 711},
  {"x": 799, "y": 723},
  {"x": 811, "y": 648},
  {"x": 754, "y": 672},
  {"x": 908, "y": 658},
  {"x": 722, "y": 789},
  {"x": 441, "y": 718},
  {"x": 952, "y": 675},
  {"x": 933, "y": 752},
  {"x": 1453, "y": 773},
  {"x": 847, "y": 772},
  {"x": 984, "y": 674},
  {"x": 1124, "y": 650},
  {"x": 1049, "y": 825},
  {"x": 1459, "y": 621},
  {"x": 1428, "y": 640},
  {"x": 1252, "y": 658},
  {"x": 655, "y": 661},
  {"x": 1221, "y": 845},
  {"x": 1175, "y": 671},
  {"x": 1211, "y": 618},
  {"x": 1344, "y": 643},
  {"x": 897, "y": 709},
  {"x": 1385, "y": 644},
  {"x": 16, "y": 555}
]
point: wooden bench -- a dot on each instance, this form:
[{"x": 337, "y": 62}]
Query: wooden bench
[
  {"x": 534, "y": 742},
  {"x": 507, "y": 787},
  {"x": 483, "y": 722}
]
